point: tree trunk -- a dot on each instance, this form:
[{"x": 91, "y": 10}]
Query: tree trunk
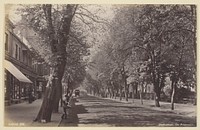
[
  {"x": 172, "y": 98},
  {"x": 126, "y": 95},
  {"x": 60, "y": 68},
  {"x": 133, "y": 93},
  {"x": 58, "y": 48},
  {"x": 126, "y": 90},
  {"x": 112, "y": 93},
  {"x": 141, "y": 98},
  {"x": 157, "y": 103},
  {"x": 46, "y": 109},
  {"x": 115, "y": 94},
  {"x": 136, "y": 88},
  {"x": 173, "y": 94},
  {"x": 156, "y": 89},
  {"x": 120, "y": 98},
  {"x": 157, "y": 95},
  {"x": 141, "y": 94},
  {"x": 58, "y": 96}
]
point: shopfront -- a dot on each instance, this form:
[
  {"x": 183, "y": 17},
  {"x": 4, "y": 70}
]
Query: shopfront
[{"x": 16, "y": 84}]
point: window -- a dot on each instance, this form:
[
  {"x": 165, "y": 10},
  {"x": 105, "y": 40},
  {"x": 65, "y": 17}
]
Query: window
[
  {"x": 19, "y": 53},
  {"x": 30, "y": 60},
  {"x": 6, "y": 41},
  {"x": 16, "y": 51},
  {"x": 25, "y": 56},
  {"x": 5, "y": 80}
]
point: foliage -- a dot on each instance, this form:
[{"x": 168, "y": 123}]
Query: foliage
[{"x": 151, "y": 42}]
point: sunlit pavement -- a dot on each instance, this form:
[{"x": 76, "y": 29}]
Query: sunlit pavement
[
  {"x": 23, "y": 114},
  {"x": 92, "y": 111}
]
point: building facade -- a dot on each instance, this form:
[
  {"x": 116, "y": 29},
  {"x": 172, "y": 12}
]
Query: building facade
[{"x": 24, "y": 72}]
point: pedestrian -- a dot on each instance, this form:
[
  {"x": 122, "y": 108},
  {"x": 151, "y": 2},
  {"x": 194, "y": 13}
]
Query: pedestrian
[
  {"x": 66, "y": 106},
  {"x": 30, "y": 98}
]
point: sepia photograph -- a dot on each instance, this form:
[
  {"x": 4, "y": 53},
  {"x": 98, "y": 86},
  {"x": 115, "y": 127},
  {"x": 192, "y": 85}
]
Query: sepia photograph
[{"x": 99, "y": 65}]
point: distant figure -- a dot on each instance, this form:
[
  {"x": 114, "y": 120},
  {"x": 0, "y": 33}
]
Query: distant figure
[
  {"x": 66, "y": 106},
  {"x": 77, "y": 93},
  {"x": 30, "y": 96}
]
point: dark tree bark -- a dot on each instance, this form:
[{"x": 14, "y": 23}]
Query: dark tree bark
[
  {"x": 120, "y": 92},
  {"x": 58, "y": 48},
  {"x": 156, "y": 89},
  {"x": 176, "y": 75},
  {"x": 124, "y": 83},
  {"x": 114, "y": 89},
  {"x": 61, "y": 69},
  {"x": 173, "y": 86},
  {"x": 157, "y": 77},
  {"x": 158, "y": 85},
  {"x": 126, "y": 90},
  {"x": 133, "y": 94},
  {"x": 141, "y": 92},
  {"x": 45, "y": 112}
]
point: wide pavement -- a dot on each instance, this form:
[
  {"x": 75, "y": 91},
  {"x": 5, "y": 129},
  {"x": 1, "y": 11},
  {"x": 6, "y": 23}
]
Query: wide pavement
[{"x": 93, "y": 111}]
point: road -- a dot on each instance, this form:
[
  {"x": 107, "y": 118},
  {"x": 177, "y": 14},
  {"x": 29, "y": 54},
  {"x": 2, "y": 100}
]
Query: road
[{"x": 92, "y": 111}]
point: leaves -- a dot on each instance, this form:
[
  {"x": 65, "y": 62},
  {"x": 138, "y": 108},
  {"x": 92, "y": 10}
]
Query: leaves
[{"x": 151, "y": 42}]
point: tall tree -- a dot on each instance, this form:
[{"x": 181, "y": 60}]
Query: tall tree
[
  {"x": 157, "y": 25},
  {"x": 57, "y": 26},
  {"x": 54, "y": 32},
  {"x": 149, "y": 29},
  {"x": 58, "y": 44}
]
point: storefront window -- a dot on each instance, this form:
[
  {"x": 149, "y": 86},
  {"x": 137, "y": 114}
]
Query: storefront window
[
  {"x": 5, "y": 81},
  {"x": 16, "y": 91},
  {"x": 6, "y": 41},
  {"x": 6, "y": 87}
]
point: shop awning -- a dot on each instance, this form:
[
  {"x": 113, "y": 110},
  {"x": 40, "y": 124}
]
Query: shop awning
[{"x": 16, "y": 72}]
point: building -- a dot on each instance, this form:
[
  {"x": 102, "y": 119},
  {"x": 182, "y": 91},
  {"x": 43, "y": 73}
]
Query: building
[{"x": 24, "y": 71}]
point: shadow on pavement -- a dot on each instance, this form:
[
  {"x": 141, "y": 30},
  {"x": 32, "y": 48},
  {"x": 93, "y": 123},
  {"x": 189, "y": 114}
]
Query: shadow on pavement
[
  {"x": 95, "y": 111},
  {"x": 104, "y": 111}
]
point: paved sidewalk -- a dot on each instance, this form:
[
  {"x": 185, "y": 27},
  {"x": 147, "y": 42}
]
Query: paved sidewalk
[
  {"x": 91, "y": 111},
  {"x": 23, "y": 114},
  {"x": 181, "y": 109}
]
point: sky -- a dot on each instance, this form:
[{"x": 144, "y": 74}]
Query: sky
[
  {"x": 11, "y": 9},
  {"x": 106, "y": 12},
  {"x": 12, "y": 13}
]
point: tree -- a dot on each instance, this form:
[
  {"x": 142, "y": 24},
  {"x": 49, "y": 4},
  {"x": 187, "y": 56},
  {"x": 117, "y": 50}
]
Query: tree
[
  {"x": 57, "y": 43},
  {"x": 120, "y": 48},
  {"x": 160, "y": 36},
  {"x": 148, "y": 31},
  {"x": 157, "y": 25},
  {"x": 57, "y": 26},
  {"x": 181, "y": 61},
  {"x": 54, "y": 31}
]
